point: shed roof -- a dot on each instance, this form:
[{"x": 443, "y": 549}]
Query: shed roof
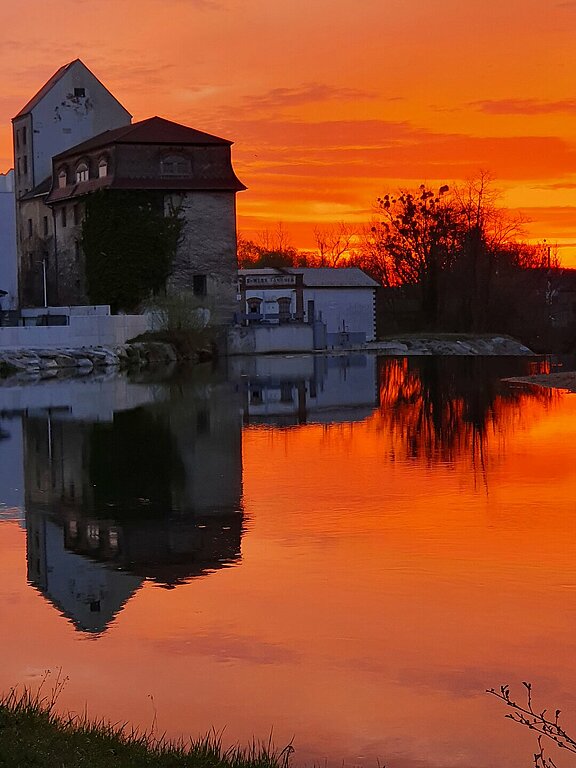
[{"x": 321, "y": 277}]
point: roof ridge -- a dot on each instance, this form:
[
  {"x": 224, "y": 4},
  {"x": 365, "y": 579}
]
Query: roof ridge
[{"x": 51, "y": 82}]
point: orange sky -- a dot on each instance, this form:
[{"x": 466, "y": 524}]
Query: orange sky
[{"x": 332, "y": 103}]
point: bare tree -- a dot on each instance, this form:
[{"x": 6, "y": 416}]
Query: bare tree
[
  {"x": 334, "y": 243},
  {"x": 272, "y": 248}
]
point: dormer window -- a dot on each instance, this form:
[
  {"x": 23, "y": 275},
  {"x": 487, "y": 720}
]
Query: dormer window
[
  {"x": 82, "y": 172},
  {"x": 102, "y": 168},
  {"x": 62, "y": 178},
  {"x": 174, "y": 165}
]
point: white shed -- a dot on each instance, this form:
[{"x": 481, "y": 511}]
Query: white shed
[{"x": 343, "y": 300}]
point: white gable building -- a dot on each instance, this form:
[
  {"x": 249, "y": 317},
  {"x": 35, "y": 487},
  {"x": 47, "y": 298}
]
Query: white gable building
[
  {"x": 71, "y": 107},
  {"x": 342, "y": 300}
]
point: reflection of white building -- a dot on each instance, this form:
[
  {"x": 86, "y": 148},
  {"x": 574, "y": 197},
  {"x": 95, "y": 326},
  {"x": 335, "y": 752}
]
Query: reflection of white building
[
  {"x": 342, "y": 299},
  {"x": 84, "y": 590},
  {"x": 305, "y": 389},
  {"x": 117, "y": 492}
]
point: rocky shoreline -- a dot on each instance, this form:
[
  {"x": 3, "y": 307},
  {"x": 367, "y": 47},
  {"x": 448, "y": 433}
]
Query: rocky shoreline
[
  {"x": 49, "y": 363},
  {"x": 450, "y": 344}
]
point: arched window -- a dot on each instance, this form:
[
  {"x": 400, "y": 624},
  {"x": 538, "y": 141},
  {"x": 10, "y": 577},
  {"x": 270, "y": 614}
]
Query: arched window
[
  {"x": 254, "y": 309},
  {"x": 62, "y": 178},
  {"x": 102, "y": 168},
  {"x": 81, "y": 172},
  {"x": 284, "y": 309},
  {"x": 174, "y": 165}
]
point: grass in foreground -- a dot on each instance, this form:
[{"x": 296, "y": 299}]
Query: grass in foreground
[{"x": 33, "y": 735}]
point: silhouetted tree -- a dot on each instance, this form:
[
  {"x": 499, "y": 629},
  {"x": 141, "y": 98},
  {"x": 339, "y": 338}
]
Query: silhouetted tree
[
  {"x": 416, "y": 240},
  {"x": 334, "y": 244},
  {"x": 271, "y": 249}
]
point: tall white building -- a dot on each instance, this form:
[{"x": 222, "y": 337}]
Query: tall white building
[{"x": 70, "y": 108}]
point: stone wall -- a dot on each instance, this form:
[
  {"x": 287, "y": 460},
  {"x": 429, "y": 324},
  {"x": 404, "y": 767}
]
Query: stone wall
[{"x": 207, "y": 252}]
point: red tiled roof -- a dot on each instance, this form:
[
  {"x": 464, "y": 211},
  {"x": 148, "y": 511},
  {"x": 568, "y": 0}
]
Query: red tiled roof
[
  {"x": 40, "y": 189},
  {"x": 154, "y": 130},
  {"x": 229, "y": 183}
]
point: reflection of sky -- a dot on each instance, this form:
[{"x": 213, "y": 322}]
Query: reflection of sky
[{"x": 380, "y": 592}]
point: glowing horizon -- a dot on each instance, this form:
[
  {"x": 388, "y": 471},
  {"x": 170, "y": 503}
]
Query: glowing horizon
[{"x": 330, "y": 107}]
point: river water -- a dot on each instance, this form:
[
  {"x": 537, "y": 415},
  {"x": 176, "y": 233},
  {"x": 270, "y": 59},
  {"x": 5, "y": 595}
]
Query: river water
[{"x": 341, "y": 551}]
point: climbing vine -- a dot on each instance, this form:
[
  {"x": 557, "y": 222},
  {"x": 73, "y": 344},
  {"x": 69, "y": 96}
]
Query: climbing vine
[{"x": 129, "y": 241}]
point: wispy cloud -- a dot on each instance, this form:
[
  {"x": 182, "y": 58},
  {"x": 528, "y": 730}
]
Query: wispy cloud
[
  {"x": 560, "y": 185},
  {"x": 308, "y": 93},
  {"x": 388, "y": 149},
  {"x": 525, "y": 106}
]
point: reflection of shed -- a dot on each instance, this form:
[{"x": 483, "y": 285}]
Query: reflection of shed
[
  {"x": 302, "y": 389},
  {"x": 342, "y": 299}
]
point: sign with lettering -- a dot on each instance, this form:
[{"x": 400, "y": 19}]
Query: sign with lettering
[{"x": 270, "y": 280}]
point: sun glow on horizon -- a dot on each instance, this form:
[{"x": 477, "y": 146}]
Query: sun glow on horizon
[{"x": 329, "y": 107}]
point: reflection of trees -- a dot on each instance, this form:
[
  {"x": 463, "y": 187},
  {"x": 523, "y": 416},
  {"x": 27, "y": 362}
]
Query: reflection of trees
[{"x": 440, "y": 408}]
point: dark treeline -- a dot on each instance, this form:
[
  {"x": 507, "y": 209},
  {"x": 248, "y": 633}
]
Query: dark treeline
[{"x": 447, "y": 260}]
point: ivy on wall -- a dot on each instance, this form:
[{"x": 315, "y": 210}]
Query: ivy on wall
[{"x": 129, "y": 241}]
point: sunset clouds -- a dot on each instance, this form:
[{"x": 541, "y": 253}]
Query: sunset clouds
[{"x": 331, "y": 104}]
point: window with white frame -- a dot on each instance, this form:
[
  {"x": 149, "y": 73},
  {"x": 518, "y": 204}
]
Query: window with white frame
[
  {"x": 62, "y": 178},
  {"x": 103, "y": 168},
  {"x": 81, "y": 172}
]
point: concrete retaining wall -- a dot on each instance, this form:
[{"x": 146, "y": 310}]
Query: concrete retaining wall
[
  {"x": 83, "y": 331},
  {"x": 260, "y": 339}
]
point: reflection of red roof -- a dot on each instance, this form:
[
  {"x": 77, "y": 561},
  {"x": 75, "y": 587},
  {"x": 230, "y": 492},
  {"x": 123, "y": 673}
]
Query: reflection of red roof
[{"x": 154, "y": 130}]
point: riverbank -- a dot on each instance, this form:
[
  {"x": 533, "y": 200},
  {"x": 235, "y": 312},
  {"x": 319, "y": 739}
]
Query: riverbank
[
  {"x": 477, "y": 345},
  {"x": 50, "y": 363},
  {"x": 32, "y": 734}
]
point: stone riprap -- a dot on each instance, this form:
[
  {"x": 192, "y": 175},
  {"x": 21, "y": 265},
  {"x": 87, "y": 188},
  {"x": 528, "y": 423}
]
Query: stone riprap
[
  {"x": 47, "y": 363},
  {"x": 438, "y": 345}
]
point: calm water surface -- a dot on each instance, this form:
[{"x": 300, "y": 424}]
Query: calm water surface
[{"x": 348, "y": 551}]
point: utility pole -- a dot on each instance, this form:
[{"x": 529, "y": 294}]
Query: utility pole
[{"x": 44, "y": 282}]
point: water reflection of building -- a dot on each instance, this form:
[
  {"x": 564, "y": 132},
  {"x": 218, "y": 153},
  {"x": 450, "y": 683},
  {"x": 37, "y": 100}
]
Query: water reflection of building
[
  {"x": 87, "y": 593},
  {"x": 308, "y": 388},
  {"x": 150, "y": 493}
]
